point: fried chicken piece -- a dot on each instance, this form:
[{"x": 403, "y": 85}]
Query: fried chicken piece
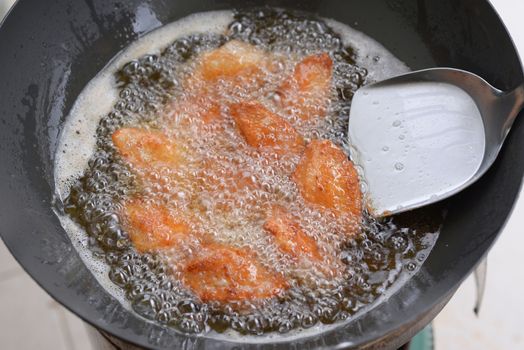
[
  {"x": 219, "y": 73},
  {"x": 152, "y": 226},
  {"x": 307, "y": 91},
  {"x": 289, "y": 236},
  {"x": 291, "y": 239},
  {"x": 222, "y": 273},
  {"x": 234, "y": 60},
  {"x": 327, "y": 178},
  {"x": 263, "y": 129},
  {"x": 146, "y": 149}
]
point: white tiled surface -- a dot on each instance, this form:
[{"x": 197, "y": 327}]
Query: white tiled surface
[{"x": 30, "y": 319}]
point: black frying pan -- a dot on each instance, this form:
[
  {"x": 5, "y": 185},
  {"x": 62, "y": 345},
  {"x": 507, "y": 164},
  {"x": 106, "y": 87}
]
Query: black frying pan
[{"x": 49, "y": 50}]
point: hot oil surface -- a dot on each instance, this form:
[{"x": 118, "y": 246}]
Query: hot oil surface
[{"x": 149, "y": 89}]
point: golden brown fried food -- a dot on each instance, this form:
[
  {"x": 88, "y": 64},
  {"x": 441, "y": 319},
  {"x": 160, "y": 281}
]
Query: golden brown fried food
[
  {"x": 308, "y": 90},
  {"x": 289, "y": 236},
  {"x": 152, "y": 226},
  {"x": 327, "y": 178},
  {"x": 234, "y": 60},
  {"x": 222, "y": 273},
  {"x": 222, "y": 72},
  {"x": 146, "y": 149},
  {"x": 264, "y": 129}
]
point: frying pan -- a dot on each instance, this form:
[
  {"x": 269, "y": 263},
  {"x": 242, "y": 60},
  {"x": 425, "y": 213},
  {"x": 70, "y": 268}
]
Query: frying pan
[{"x": 49, "y": 50}]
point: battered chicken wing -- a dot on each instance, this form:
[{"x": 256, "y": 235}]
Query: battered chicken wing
[
  {"x": 146, "y": 149},
  {"x": 152, "y": 226},
  {"x": 326, "y": 177},
  {"x": 222, "y": 273},
  {"x": 289, "y": 236},
  {"x": 306, "y": 93},
  {"x": 263, "y": 129}
]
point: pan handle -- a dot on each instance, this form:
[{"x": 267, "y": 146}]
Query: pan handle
[{"x": 480, "y": 283}]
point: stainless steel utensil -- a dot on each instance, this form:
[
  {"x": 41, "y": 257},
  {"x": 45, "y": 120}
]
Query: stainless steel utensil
[{"x": 424, "y": 136}]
